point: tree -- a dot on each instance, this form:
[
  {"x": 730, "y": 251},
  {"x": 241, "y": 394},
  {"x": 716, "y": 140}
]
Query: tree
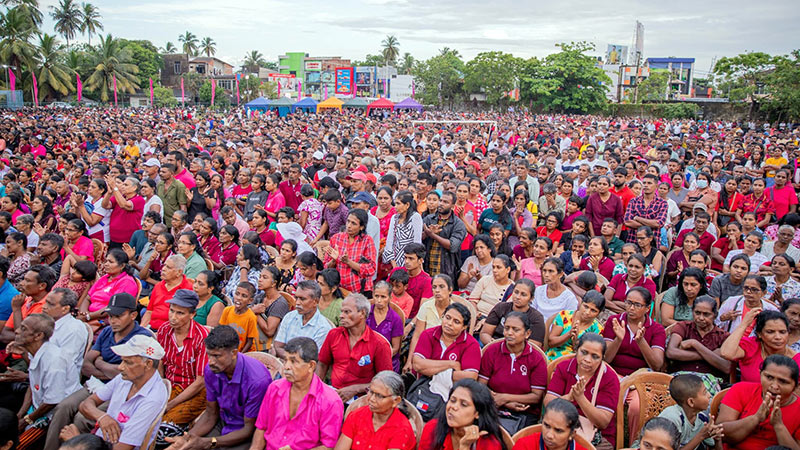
[
  {"x": 163, "y": 96},
  {"x": 221, "y": 98},
  {"x": 53, "y": 75},
  {"x": 90, "y": 20},
  {"x": 567, "y": 81},
  {"x": 169, "y": 47},
  {"x": 112, "y": 59},
  {"x": 189, "y": 41},
  {"x": 783, "y": 100},
  {"x": 30, "y": 8},
  {"x": 68, "y": 18},
  {"x": 252, "y": 61},
  {"x": 370, "y": 60},
  {"x": 407, "y": 64},
  {"x": 440, "y": 78},
  {"x": 743, "y": 74},
  {"x": 17, "y": 29},
  {"x": 654, "y": 87},
  {"x": 493, "y": 74},
  {"x": 390, "y": 50},
  {"x": 251, "y": 87},
  {"x": 146, "y": 57},
  {"x": 208, "y": 46}
]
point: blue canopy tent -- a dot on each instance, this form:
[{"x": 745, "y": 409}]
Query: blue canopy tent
[
  {"x": 260, "y": 103},
  {"x": 307, "y": 104},
  {"x": 283, "y": 105}
]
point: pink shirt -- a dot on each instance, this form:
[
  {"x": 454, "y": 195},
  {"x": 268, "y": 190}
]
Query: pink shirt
[
  {"x": 102, "y": 290},
  {"x": 123, "y": 222},
  {"x": 186, "y": 178},
  {"x": 751, "y": 362},
  {"x": 83, "y": 246},
  {"x": 782, "y": 199},
  {"x": 318, "y": 420}
]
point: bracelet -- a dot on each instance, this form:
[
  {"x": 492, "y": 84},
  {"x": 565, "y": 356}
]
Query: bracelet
[{"x": 98, "y": 419}]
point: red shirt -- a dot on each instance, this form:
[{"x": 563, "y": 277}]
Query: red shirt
[
  {"x": 535, "y": 442},
  {"x": 625, "y": 194},
  {"x": 229, "y": 254},
  {"x": 750, "y": 364},
  {"x": 464, "y": 349},
  {"x": 419, "y": 287},
  {"x": 507, "y": 375},
  {"x": 629, "y": 357},
  {"x": 158, "y": 306},
  {"x": 123, "y": 222},
  {"x": 240, "y": 192},
  {"x": 620, "y": 285},
  {"x": 181, "y": 368},
  {"x": 706, "y": 240},
  {"x": 291, "y": 193},
  {"x": 722, "y": 244},
  {"x": 396, "y": 433},
  {"x": 746, "y": 398},
  {"x": 370, "y": 355},
  {"x": 426, "y": 441}
]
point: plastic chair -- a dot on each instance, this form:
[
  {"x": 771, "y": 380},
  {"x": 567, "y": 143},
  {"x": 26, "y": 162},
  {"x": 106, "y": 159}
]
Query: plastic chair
[
  {"x": 289, "y": 299},
  {"x": 150, "y": 435},
  {"x": 657, "y": 307},
  {"x": 716, "y": 401},
  {"x": 272, "y": 363},
  {"x": 527, "y": 431},
  {"x": 551, "y": 366},
  {"x": 653, "y": 390},
  {"x": 399, "y": 312},
  {"x": 417, "y": 424},
  {"x": 473, "y": 311},
  {"x": 98, "y": 251},
  {"x": 547, "y": 325},
  {"x": 507, "y": 438}
]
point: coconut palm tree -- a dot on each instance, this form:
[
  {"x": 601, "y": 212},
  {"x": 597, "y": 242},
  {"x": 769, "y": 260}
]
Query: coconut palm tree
[
  {"x": 390, "y": 49},
  {"x": 30, "y": 7},
  {"x": 169, "y": 47},
  {"x": 253, "y": 60},
  {"x": 68, "y": 17},
  {"x": 112, "y": 59},
  {"x": 91, "y": 20},
  {"x": 407, "y": 63},
  {"x": 52, "y": 74},
  {"x": 189, "y": 41},
  {"x": 17, "y": 29},
  {"x": 208, "y": 46}
]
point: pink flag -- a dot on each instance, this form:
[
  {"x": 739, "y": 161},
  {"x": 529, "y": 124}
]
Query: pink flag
[
  {"x": 115, "y": 90},
  {"x": 279, "y": 88},
  {"x": 326, "y": 92},
  {"x": 299, "y": 90},
  {"x": 151, "y": 93},
  {"x": 182, "y": 95},
  {"x": 213, "y": 90},
  {"x": 413, "y": 91},
  {"x": 80, "y": 87},
  {"x": 12, "y": 80},
  {"x": 35, "y": 89},
  {"x": 237, "y": 89}
]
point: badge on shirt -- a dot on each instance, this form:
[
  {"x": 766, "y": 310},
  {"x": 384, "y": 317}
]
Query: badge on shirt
[
  {"x": 364, "y": 361},
  {"x": 122, "y": 418}
]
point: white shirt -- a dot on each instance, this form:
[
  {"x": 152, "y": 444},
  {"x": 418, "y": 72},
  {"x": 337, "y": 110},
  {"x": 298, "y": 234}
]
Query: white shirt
[
  {"x": 154, "y": 200},
  {"x": 72, "y": 337},
  {"x": 51, "y": 380},
  {"x": 374, "y": 231},
  {"x": 134, "y": 415},
  {"x": 755, "y": 261},
  {"x": 550, "y": 306}
]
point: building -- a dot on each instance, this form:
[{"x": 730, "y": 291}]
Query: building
[
  {"x": 210, "y": 66},
  {"x": 175, "y": 66},
  {"x": 320, "y": 71},
  {"x": 292, "y": 63},
  {"x": 681, "y": 71}
]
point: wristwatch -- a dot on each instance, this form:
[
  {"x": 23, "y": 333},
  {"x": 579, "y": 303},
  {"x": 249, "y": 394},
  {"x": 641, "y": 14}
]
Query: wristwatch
[{"x": 213, "y": 442}]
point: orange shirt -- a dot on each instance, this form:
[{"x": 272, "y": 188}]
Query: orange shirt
[{"x": 28, "y": 308}]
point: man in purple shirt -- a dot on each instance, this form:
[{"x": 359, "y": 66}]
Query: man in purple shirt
[{"x": 235, "y": 386}]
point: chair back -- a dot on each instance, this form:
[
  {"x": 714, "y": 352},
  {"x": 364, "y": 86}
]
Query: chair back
[
  {"x": 416, "y": 419},
  {"x": 533, "y": 429},
  {"x": 289, "y": 299},
  {"x": 272, "y": 363},
  {"x": 399, "y": 311},
  {"x": 473, "y": 311},
  {"x": 271, "y": 251},
  {"x": 653, "y": 391},
  {"x": 551, "y": 366},
  {"x": 506, "y": 438},
  {"x": 355, "y": 404},
  {"x": 547, "y": 325},
  {"x": 209, "y": 263},
  {"x": 98, "y": 251},
  {"x": 716, "y": 401},
  {"x": 138, "y": 288},
  {"x": 656, "y": 315},
  {"x": 149, "y": 442}
]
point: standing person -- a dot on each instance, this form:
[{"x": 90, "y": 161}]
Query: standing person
[
  {"x": 127, "y": 208},
  {"x": 782, "y": 195},
  {"x": 310, "y": 210},
  {"x": 201, "y": 198},
  {"x": 299, "y": 411},
  {"x": 273, "y": 199},
  {"x": 171, "y": 191},
  {"x": 291, "y": 187},
  {"x": 443, "y": 234},
  {"x": 353, "y": 254},
  {"x": 646, "y": 210},
  {"x": 405, "y": 228},
  {"x": 602, "y": 204}
]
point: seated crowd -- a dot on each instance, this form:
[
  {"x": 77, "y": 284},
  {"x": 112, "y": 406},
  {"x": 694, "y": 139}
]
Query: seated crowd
[{"x": 431, "y": 288}]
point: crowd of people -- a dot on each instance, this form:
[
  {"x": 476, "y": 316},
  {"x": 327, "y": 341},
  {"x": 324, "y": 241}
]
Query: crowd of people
[{"x": 206, "y": 280}]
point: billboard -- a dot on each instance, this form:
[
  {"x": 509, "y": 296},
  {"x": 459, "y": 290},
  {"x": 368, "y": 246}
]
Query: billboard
[
  {"x": 313, "y": 66},
  {"x": 312, "y": 77},
  {"x": 344, "y": 80},
  {"x": 616, "y": 54},
  {"x": 363, "y": 78}
]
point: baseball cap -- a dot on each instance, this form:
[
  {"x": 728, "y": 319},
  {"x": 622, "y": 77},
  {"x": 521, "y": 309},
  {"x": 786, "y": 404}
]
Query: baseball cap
[
  {"x": 361, "y": 197},
  {"x": 318, "y": 155},
  {"x": 601, "y": 163},
  {"x": 702, "y": 154},
  {"x": 372, "y": 178},
  {"x": 120, "y": 303},
  {"x": 700, "y": 205},
  {"x": 185, "y": 298},
  {"x": 140, "y": 345},
  {"x": 357, "y": 175},
  {"x": 152, "y": 162}
]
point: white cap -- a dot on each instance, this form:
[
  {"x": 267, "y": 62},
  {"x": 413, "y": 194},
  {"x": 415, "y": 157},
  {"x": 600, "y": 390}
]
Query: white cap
[
  {"x": 318, "y": 155},
  {"x": 140, "y": 345},
  {"x": 152, "y": 162}
]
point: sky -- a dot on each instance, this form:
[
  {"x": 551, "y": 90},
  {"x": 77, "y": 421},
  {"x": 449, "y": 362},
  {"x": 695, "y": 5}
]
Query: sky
[{"x": 352, "y": 28}]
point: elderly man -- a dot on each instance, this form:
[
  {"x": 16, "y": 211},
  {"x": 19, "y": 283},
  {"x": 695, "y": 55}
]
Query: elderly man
[
  {"x": 51, "y": 379},
  {"x": 184, "y": 359},
  {"x": 353, "y": 350},
  {"x": 135, "y": 397},
  {"x": 299, "y": 411},
  {"x": 70, "y": 335},
  {"x": 235, "y": 387},
  {"x": 550, "y": 201},
  {"x": 305, "y": 320}
]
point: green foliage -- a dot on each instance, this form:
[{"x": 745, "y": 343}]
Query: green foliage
[
  {"x": 163, "y": 96},
  {"x": 370, "y": 60},
  {"x": 221, "y": 98},
  {"x": 493, "y": 74},
  {"x": 252, "y": 61},
  {"x": 208, "y": 46},
  {"x": 784, "y": 87},
  {"x": 52, "y": 75},
  {"x": 68, "y": 18},
  {"x": 390, "y": 50},
  {"x": 189, "y": 43},
  {"x": 407, "y": 64},
  {"x": 17, "y": 29},
  {"x": 112, "y": 59},
  {"x": 677, "y": 110},
  {"x": 567, "y": 81},
  {"x": 146, "y": 57},
  {"x": 251, "y": 87},
  {"x": 742, "y": 74},
  {"x": 440, "y": 79},
  {"x": 90, "y": 20},
  {"x": 654, "y": 87}
]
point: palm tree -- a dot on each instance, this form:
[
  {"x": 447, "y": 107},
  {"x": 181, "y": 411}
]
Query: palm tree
[
  {"x": 390, "y": 49},
  {"x": 68, "y": 17},
  {"x": 91, "y": 20},
  {"x": 169, "y": 47},
  {"x": 407, "y": 64},
  {"x": 17, "y": 29},
  {"x": 253, "y": 60},
  {"x": 208, "y": 46},
  {"x": 449, "y": 51},
  {"x": 189, "y": 41},
  {"x": 110, "y": 60},
  {"x": 30, "y": 7},
  {"x": 53, "y": 75}
]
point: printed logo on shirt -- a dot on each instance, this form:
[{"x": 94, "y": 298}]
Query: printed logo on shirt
[
  {"x": 364, "y": 361},
  {"x": 452, "y": 356},
  {"x": 524, "y": 369},
  {"x": 122, "y": 418},
  {"x": 36, "y": 386}
]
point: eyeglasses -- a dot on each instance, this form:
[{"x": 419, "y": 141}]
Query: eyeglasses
[
  {"x": 751, "y": 289},
  {"x": 377, "y": 395},
  {"x": 635, "y": 305}
]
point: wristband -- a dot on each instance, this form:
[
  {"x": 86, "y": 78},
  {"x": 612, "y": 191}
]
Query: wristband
[{"x": 99, "y": 418}]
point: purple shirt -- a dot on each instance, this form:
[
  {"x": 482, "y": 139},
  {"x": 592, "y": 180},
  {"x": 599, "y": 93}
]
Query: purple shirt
[
  {"x": 597, "y": 211},
  {"x": 335, "y": 219},
  {"x": 392, "y": 326},
  {"x": 240, "y": 396}
]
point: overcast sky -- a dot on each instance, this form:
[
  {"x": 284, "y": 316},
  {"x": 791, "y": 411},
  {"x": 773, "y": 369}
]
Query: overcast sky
[{"x": 353, "y": 28}]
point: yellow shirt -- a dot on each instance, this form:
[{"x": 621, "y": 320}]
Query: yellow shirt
[
  {"x": 131, "y": 151},
  {"x": 245, "y": 324},
  {"x": 778, "y": 162}
]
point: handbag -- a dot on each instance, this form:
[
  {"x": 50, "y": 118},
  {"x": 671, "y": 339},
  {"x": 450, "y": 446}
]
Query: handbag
[
  {"x": 512, "y": 422},
  {"x": 587, "y": 430},
  {"x": 426, "y": 402}
]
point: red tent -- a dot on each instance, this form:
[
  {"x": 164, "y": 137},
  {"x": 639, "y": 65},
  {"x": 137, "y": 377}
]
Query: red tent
[{"x": 380, "y": 103}]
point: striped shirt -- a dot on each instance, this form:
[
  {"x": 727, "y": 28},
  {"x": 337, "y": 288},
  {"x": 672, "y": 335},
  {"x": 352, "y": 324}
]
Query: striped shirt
[{"x": 184, "y": 363}]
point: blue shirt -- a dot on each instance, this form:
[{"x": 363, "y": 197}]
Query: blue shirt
[
  {"x": 292, "y": 326},
  {"x": 106, "y": 340},
  {"x": 241, "y": 395},
  {"x": 7, "y": 293}
]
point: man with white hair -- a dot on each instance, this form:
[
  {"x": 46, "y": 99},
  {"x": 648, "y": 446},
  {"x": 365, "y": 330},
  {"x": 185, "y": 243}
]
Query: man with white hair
[{"x": 354, "y": 351}]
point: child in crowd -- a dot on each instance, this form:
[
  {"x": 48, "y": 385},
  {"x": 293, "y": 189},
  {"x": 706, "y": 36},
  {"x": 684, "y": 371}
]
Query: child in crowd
[
  {"x": 241, "y": 318},
  {"x": 400, "y": 297},
  {"x": 334, "y": 215}
]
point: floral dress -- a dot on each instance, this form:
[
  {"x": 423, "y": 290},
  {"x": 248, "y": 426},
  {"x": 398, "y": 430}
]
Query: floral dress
[
  {"x": 18, "y": 268},
  {"x": 789, "y": 289},
  {"x": 314, "y": 209},
  {"x": 564, "y": 320}
]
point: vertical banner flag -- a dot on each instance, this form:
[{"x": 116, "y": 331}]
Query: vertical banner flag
[
  {"x": 344, "y": 80},
  {"x": 279, "y": 88},
  {"x": 237, "y": 88},
  {"x": 80, "y": 87},
  {"x": 326, "y": 92},
  {"x": 183, "y": 101},
  {"x": 299, "y": 90},
  {"x": 115, "y": 90},
  {"x": 413, "y": 91},
  {"x": 152, "y": 103},
  {"x": 35, "y": 89},
  {"x": 213, "y": 90},
  {"x": 12, "y": 80}
]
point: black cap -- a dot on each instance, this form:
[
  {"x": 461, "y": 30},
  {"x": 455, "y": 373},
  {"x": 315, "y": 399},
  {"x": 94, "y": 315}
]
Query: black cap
[
  {"x": 120, "y": 303},
  {"x": 185, "y": 298}
]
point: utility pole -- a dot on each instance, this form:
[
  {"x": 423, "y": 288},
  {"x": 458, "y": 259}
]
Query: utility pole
[{"x": 636, "y": 77}]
